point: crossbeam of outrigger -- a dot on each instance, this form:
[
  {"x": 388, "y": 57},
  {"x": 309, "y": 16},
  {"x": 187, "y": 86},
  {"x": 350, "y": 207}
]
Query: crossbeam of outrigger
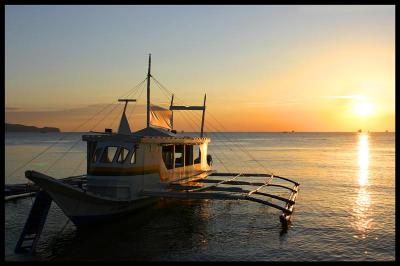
[{"x": 194, "y": 189}]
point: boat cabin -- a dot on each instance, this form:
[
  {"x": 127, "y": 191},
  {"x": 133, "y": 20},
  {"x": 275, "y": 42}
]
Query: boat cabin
[
  {"x": 120, "y": 165},
  {"x": 159, "y": 151}
]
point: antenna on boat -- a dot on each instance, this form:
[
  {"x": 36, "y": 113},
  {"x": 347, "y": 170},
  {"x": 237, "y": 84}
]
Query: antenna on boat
[
  {"x": 124, "y": 124},
  {"x": 148, "y": 92}
]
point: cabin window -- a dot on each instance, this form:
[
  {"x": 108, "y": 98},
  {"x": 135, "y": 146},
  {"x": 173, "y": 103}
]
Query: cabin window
[
  {"x": 196, "y": 154},
  {"x": 179, "y": 155},
  {"x": 188, "y": 154},
  {"x": 108, "y": 154},
  {"x": 123, "y": 153},
  {"x": 168, "y": 156},
  {"x": 96, "y": 155},
  {"x": 133, "y": 157}
]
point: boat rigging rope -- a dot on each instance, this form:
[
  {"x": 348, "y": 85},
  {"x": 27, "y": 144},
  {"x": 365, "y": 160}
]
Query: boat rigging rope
[
  {"x": 193, "y": 126},
  {"x": 140, "y": 89},
  {"x": 135, "y": 104},
  {"x": 239, "y": 146},
  {"x": 215, "y": 147},
  {"x": 78, "y": 166},
  {"x": 79, "y": 140},
  {"x": 130, "y": 115},
  {"x": 243, "y": 148},
  {"x": 189, "y": 121},
  {"x": 64, "y": 136},
  {"x": 116, "y": 117}
]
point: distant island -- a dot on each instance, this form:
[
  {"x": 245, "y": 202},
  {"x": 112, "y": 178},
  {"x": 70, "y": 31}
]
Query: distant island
[{"x": 23, "y": 128}]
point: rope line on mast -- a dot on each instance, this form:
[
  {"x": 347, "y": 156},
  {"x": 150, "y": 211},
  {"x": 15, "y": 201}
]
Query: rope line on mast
[
  {"x": 240, "y": 147},
  {"x": 240, "y": 163},
  {"x": 116, "y": 117},
  {"x": 243, "y": 148},
  {"x": 112, "y": 125},
  {"x": 193, "y": 126},
  {"x": 221, "y": 150},
  {"x": 209, "y": 124},
  {"x": 222, "y": 142},
  {"x": 220, "y": 133},
  {"x": 125, "y": 96},
  {"x": 141, "y": 88},
  {"x": 79, "y": 165},
  {"x": 136, "y": 103},
  {"x": 79, "y": 140},
  {"x": 217, "y": 157}
]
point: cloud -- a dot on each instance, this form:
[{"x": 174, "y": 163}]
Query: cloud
[
  {"x": 267, "y": 103},
  {"x": 274, "y": 103},
  {"x": 11, "y": 109},
  {"x": 97, "y": 116},
  {"x": 352, "y": 97}
]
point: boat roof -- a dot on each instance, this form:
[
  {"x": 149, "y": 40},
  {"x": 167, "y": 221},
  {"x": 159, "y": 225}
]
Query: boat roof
[
  {"x": 153, "y": 132},
  {"x": 147, "y": 135}
]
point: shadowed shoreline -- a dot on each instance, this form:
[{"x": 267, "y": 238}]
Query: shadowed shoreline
[{"x": 23, "y": 128}]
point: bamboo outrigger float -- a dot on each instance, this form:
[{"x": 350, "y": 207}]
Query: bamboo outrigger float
[{"x": 129, "y": 170}]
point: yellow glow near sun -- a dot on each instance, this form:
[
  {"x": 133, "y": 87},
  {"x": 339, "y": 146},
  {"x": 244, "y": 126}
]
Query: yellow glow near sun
[{"x": 364, "y": 108}]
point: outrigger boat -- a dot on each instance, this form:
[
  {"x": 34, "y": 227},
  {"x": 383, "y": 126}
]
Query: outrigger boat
[{"x": 129, "y": 170}]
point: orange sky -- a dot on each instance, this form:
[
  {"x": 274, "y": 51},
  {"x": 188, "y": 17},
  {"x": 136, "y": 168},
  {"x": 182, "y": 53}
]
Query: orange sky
[{"x": 289, "y": 68}]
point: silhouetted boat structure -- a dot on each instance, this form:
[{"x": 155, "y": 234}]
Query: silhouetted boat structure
[{"x": 127, "y": 171}]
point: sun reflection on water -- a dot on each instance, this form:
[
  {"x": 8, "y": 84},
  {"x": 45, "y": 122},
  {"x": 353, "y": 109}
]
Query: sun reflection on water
[
  {"x": 363, "y": 159},
  {"x": 361, "y": 211},
  {"x": 363, "y": 222}
]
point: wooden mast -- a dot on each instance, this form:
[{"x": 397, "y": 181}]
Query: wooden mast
[
  {"x": 148, "y": 92},
  {"x": 202, "y": 118},
  {"x": 172, "y": 112}
]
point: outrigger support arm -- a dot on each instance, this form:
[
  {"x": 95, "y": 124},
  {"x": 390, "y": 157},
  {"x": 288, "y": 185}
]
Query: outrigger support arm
[{"x": 194, "y": 189}]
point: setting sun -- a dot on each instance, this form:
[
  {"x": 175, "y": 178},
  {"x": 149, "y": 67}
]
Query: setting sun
[{"x": 364, "y": 108}]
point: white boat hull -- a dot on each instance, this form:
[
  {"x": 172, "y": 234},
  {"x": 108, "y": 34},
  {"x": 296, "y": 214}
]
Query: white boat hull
[{"x": 84, "y": 208}]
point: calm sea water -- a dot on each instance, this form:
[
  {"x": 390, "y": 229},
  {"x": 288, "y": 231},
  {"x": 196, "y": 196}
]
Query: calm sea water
[{"x": 345, "y": 209}]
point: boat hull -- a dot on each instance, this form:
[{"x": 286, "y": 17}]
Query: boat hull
[
  {"x": 84, "y": 208},
  {"x": 86, "y": 220}
]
